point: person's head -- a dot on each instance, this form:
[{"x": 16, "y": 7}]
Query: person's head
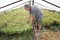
[{"x": 27, "y": 7}]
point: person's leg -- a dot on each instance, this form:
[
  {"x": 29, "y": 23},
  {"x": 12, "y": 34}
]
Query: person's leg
[
  {"x": 39, "y": 23},
  {"x": 35, "y": 29},
  {"x": 36, "y": 32},
  {"x": 38, "y": 28}
]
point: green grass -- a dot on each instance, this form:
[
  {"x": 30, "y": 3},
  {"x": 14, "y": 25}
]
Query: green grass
[
  {"x": 50, "y": 17},
  {"x": 15, "y": 21}
]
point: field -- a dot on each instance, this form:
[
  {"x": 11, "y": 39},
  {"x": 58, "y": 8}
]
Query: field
[{"x": 14, "y": 24}]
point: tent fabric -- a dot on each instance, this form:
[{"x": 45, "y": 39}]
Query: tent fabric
[{"x": 45, "y": 5}]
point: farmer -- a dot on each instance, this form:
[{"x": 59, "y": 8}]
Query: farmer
[{"x": 35, "y": 16}]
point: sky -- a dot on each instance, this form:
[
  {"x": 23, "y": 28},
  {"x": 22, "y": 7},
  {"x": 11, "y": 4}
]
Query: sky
[{"x": 17, "y": 5}]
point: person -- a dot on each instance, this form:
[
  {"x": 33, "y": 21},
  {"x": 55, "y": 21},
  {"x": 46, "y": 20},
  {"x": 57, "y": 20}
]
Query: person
[{"x": 35, "y": 16}]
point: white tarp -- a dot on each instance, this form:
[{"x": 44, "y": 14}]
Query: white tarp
[
  {"x": 48, "y": 6},
  {"x": 16, "y": 5}
]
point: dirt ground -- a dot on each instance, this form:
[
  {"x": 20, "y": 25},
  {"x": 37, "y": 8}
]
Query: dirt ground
[
  {"x": 47, "y": 35},
  {"x": 51, "y": 35}
]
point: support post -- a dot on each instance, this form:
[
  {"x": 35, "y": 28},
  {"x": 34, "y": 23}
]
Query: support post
[{"x": 32, "y": 2}]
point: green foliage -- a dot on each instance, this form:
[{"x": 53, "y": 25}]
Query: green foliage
[
  {"x": 51, "y": 16},
  {"x": 51, "y": 19},
  {"x": 15, "y": 21}
]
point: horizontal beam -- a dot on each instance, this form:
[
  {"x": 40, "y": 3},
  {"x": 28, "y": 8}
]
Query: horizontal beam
[
  {"x": 51, "y": 3},
  {"x": 10, "y": 4}
]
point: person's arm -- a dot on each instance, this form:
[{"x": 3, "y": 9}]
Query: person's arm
[
  {"x": 32, "y": 18},
  {"x": 29, "y": 18}
]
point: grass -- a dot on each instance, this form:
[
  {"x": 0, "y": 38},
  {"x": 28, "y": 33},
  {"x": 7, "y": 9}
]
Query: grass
[
  {"x": 15, "y": 21},
  {"x": 14, "y": 24}
]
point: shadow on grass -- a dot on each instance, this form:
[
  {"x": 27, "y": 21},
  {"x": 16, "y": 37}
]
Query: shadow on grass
[{"x": 28, "y": 35}]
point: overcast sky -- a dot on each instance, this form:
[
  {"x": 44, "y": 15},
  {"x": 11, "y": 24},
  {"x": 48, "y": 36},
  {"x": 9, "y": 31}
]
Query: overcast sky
[{"x": 48, "y": 6}]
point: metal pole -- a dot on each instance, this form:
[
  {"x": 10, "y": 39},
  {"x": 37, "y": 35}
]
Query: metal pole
[
  {"x": 9, "y": 4},
  {"x": 32, "y": 2},
  {"x": 51, "y": 3}
]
